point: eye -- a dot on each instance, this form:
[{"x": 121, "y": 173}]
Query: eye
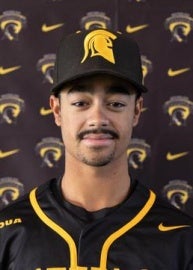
[
  {"x": 80, "y": 103},
  {"x": 116, "y": 105}
]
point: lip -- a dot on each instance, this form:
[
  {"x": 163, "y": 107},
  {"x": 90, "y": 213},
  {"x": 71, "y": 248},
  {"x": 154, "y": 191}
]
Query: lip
[
  {"x": 98, "y": 136},
  {"x": 99, "y": 139}
]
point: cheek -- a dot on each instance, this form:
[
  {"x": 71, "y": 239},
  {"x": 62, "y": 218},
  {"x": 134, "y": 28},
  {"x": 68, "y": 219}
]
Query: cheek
[
  {"x": 69, "y": 125},
  {"x": 130, "y": 123},
  {"x": 125, "y": 127}
]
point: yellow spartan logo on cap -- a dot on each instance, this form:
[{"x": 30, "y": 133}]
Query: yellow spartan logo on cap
[{"x": 99, "y": 43}]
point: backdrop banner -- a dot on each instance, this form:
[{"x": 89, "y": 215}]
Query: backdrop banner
[{"x": 160, "y": 154}]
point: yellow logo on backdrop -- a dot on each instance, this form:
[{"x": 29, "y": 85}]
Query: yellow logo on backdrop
[
  {"x": 10, "y": 190},
  {"x": 99, "y": 43},
  {"x": 11, "y": 106},
  {"x": 179, "y": 109},
  {"x": 171, "y": 156},
  {"x": 137, "y": 152},
  {"x": 5, "y": 71},
  {"x": 8, "y": 153},
  {"x": 172, "y": 73},
  {"x": 46, "y": 66},
  {"x": 95, "y": 19},
  {"x": 178, "y": 193},
  {"x": 47, "y": 28},
  {"x": 179, "y": 24},
  {"x": 50, "y": 150},
  {"x": 11, "y": 23},
  {"x": 147, "y": 66},
  {"x": 45, "y": 112},
  {"x": 132, "y": 29}
]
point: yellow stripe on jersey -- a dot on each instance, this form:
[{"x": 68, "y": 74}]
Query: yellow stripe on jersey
[
  {"x": 56, "y": 228},
  {"x": 108, "y": 242},
  {"x": 125, "y": 228}
]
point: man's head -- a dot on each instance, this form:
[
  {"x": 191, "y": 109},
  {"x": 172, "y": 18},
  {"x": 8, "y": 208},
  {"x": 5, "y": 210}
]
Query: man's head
[
  {"x": 98, "y": 51},
  {"x": 96, "y": 114},
  {"x": 98, "y": 76}
]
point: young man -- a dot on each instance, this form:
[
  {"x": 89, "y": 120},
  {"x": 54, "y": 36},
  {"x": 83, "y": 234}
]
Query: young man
[{"x": 95, "y": 216}]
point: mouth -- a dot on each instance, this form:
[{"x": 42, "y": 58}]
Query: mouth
[
  {"x": 98, "y": 133},
  {"x": 98, "y": 137}
]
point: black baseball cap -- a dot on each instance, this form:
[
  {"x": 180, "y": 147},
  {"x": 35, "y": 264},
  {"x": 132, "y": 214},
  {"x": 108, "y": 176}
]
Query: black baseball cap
[{"x": 98, "y": 51}]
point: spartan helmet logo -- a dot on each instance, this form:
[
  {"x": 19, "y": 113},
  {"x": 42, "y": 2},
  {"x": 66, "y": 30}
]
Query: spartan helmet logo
[
  {"x": 179, "y": 109},
  {"x": 99, "y": 43},
  {"x": 147, "y": 66},
  {"x": 137, "y": 152},
  {"x": 11, "y": 23},
  {"x": 11, "y": 106},
  {"x": 94, "y": 20},
  {"x": 179, "y": 24},
  {"x": 50, "y": 150},
  {"x": 10, "y": 190},
  {"x": 46, "y": 66},
  {"x": 178, "y": 192}
]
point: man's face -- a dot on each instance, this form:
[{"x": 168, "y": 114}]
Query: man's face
[{"x": 96, "y": 116}]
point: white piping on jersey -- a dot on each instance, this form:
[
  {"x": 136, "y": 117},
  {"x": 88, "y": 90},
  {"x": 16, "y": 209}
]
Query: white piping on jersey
[{"x": 108, "y": 242}]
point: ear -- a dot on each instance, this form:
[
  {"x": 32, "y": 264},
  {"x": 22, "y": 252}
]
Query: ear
[
  {"x": 55, "y": 106},
  {"x": 137, "y": 110}
]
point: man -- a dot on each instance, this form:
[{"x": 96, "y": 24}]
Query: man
[{"x": 95, "y": 216}]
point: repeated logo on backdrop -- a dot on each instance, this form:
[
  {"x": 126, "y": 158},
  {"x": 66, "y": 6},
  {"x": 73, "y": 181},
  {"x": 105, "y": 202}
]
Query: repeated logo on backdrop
[
  {"x": 95, "y": 19},
  {"x": 179, "y": 109},
  {"x": 10, "y": 190},
  {"x": 12, "y": 23},
  {"x": 179, "y": 24},
  {"x": 50, "y": 150},
  {"x": 46, "y": 66},
  {"x": 138, "y": 151},
  {"x": 11, "y": 106},
  {"x": 14, "y": 26},
  {"x": 147, "y": 66},
  {"x": 7, "y": 70},
  {"x": 178, "y": 192}
]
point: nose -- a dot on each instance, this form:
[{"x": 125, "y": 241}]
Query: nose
[{"x": 97, "y": 117}]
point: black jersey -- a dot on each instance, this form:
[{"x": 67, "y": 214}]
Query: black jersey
[{"x": 42, "y": 232}]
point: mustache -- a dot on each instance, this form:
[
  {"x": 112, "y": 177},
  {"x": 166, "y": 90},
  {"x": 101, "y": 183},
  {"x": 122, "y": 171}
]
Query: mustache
[{"x": 114, "y": 135}]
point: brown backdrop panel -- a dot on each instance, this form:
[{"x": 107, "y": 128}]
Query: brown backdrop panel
[{"x": 31, "y": 150}]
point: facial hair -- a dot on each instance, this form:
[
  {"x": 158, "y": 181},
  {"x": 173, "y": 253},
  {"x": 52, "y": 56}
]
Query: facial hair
[{"x": 97, "y": 160}]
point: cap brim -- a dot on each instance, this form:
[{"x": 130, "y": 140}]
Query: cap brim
[{"x": 59, "y": 86}]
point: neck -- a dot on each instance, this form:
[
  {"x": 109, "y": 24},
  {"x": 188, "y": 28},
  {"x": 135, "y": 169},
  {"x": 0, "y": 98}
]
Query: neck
[{"x": 94, "y": 188}]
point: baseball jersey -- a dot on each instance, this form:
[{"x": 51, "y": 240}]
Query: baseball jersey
[{"x": 42, "y": 231}]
